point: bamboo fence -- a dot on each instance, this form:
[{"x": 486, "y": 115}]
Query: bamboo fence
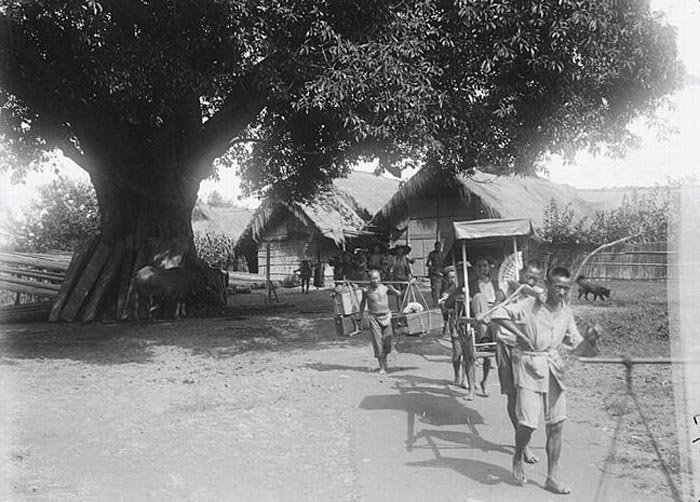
[{"x": 646, "y": 261}]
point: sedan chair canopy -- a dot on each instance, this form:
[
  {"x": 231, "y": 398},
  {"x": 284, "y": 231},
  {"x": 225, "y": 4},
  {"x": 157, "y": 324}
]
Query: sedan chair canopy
[{"x": 488, "y": 232}]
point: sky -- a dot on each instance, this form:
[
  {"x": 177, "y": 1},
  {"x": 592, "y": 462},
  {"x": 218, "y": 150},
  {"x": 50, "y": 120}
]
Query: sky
[{"x": 655, "y": 162}]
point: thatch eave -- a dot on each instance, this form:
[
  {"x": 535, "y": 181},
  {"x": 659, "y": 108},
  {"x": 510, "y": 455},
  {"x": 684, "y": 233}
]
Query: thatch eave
[
  {"x": 500, "y": 196},
  {"x": 339, "y": 213}
]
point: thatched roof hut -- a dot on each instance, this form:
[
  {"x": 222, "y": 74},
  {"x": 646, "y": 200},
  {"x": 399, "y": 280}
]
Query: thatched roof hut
[
  {"x": 500, "y": 196},
  {"x": 423, "y": 209},
  {"x": 315, "y": 230}
]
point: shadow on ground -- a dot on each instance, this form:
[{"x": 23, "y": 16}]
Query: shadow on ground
[
  {"x": 438, "y": 420},
  {"x": 481, "y": 472},
  {"x": 233, "y": 330},
  {"x": 361, "y": 369}
]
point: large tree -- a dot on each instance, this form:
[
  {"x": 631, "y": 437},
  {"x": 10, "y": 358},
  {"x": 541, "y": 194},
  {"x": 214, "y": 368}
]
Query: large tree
[{"x": 146, "y": 95}]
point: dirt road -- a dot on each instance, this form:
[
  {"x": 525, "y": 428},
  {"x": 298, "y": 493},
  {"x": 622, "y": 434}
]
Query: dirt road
[{"x": 271, "y": 406}]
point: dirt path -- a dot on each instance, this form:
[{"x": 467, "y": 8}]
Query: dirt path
[{"x": 264, "y": 407}]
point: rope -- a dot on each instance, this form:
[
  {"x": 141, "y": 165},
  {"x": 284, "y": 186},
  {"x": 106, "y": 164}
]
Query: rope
[
  {"x": 355, "y": 306},
  {"x": 404, "y": 297},
  {"x": 353, "y": 297},
  {"x": 411, "y": 290}
]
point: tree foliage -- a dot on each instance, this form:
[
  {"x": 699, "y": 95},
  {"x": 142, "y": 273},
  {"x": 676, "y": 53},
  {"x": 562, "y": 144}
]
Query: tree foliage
[
  {"x": 561, "y": 228},
  {"x": 64, "y": 215},
  {"x": 142, "y": 92},
  {"x": 216, "y": 249},
  {"x": 647, "y": 216}
]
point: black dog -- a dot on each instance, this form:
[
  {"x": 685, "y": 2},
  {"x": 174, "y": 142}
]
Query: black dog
[{"x": 587, "y": 288}]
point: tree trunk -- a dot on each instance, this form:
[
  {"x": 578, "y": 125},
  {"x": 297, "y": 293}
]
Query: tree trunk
[
  {"x": 145, "y": 221},
  {"x": 155, "y": 207}
]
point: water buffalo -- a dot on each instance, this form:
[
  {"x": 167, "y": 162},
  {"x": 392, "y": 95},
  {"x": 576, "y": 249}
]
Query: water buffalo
[{"x": 179, "y": 285}]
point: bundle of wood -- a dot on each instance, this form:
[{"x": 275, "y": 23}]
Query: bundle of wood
[
  {"x": 35, "y": 274},
  {"x": 28, "y": 312}
]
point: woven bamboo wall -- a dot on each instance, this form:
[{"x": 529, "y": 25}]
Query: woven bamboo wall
[{"x": 641, "y": 262}]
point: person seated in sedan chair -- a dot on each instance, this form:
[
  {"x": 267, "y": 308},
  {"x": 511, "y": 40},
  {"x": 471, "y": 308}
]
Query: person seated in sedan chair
[{"x": 484, "y": 294}]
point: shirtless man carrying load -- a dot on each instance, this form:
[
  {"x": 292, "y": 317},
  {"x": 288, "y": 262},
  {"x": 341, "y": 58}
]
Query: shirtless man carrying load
[{"x": 376, "y": 298}]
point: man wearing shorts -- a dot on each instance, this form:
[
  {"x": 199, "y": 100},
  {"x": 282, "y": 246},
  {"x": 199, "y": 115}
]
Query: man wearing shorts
[
  {"x": 542, "y": 329},
  {"x": 376, "y": 297},
  {"x": 531, "y": 276}
]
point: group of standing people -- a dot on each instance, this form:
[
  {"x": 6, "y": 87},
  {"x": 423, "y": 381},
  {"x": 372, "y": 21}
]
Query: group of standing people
[
  {"x": 530, "y": 325},
  {"x": 393, "y": 264},
  {"x": 308, "y": 271}
]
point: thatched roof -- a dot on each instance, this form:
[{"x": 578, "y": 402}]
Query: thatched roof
[
  {"x": 500, "y": 196},
  {"x": 337, "y": 214},
  {"x": 368, "y": 191},
  {"x": 220, "y": 219}
]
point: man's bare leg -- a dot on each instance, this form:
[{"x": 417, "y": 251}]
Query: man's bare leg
[
  {"x": 528, "y": 456},
  {"x": 522, "y": 439},
  {"x": 470, "y": 372},
  {"x": 457, "y": 367},
  {"x": 554, "y": 433},
  {"x": 486, "y": 368},
  {"x": 382, "y": 365}
]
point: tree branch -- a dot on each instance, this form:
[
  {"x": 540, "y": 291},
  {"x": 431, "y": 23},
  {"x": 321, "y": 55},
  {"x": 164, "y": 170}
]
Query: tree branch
[
  {"x": 19, "y": 62},
  {"x": 241, "y": 107},
  {"x": 25, "y": 74}
]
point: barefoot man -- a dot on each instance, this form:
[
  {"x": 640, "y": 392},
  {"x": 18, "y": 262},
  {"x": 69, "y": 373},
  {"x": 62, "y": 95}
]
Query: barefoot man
[
  {"x": 542, "y": 329},
  {"x": 376, "y": 297},
  {"x": 447, "y": 302},
  {"x": 531, "y": 275}
]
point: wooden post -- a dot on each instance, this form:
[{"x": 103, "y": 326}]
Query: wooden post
[
  {"x": 267, "y": 272},
  {"x": 467, "y": 306},
  {"x": 78, "y": 263},
  {"x": 124, "y": 276},
  {"x": 85, "y": 283},
  {"x": 515, "y": 254}
]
